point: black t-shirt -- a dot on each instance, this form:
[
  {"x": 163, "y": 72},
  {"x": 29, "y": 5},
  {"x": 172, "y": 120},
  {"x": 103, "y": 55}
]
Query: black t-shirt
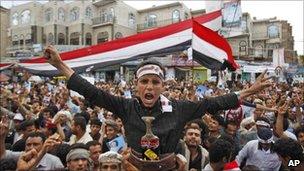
[{"x": 197, "y": 162}]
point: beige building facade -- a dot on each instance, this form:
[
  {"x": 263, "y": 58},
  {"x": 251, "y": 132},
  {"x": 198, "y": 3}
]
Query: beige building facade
[{"x": 4, "y": 34}]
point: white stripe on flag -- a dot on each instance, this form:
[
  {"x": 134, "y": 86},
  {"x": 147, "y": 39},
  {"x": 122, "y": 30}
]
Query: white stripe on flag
[{"x": 208, "y": 49}]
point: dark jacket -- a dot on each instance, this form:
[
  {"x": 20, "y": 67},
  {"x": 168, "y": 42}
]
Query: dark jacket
[{"x": 168, "y": 126}]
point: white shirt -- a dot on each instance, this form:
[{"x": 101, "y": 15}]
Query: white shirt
[
  {"x": 84, "y": 139},
  {"x": 264, "y": 160}
]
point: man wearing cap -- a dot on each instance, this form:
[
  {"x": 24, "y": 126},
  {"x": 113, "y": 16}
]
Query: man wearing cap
[
  {"x": 78, "y": 159},
  {"x": 15, "y": 134},
  {"x": 170, "y": 116},
  {"x": 260, "y": 152}
]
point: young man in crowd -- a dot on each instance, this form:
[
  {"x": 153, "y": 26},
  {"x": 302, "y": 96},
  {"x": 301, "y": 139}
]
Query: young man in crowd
[
  {"x": 80, "y": 135},
  {"x": 197, "y": 156},
  {"x": 219, "y": 154},
  {"x": 95, "y": 126},
  {"x": 171, "y": 116},
  {"x": 260, "y": 152},
  {"x": 289, "y": 151},
  {"x": 111, "y": 132},
  {"x": 78, "y": 159},
  {"x": 95, "y": 150}
]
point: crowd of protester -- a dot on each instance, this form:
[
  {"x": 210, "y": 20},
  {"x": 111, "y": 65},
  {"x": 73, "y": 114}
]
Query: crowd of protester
[{"x": 45, "y": 126}]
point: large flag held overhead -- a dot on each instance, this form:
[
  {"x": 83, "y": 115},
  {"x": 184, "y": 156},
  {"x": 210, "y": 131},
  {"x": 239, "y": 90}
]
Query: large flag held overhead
[
  {"x": 158, "y": 42},
  {"x": 210, "y": 49}
]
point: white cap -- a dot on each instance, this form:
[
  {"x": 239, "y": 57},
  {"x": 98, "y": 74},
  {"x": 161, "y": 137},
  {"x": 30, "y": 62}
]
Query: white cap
[{"x": 18, "y": 117}]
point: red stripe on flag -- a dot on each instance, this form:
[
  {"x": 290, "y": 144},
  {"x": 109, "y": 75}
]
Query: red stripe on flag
[
  {"x": 214, "y": 39},
  {"x": 131, "y": 40}
]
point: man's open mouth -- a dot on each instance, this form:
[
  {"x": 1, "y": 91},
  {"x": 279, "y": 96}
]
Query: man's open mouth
[{"x": 149, "y": 96}]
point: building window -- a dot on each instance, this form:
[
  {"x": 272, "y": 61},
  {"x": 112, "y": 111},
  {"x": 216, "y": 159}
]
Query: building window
[
  {"x": 259, "y": 51},
  {"x": 131, "y": 20},
  {"x": 15, "y": 19},
  {"x": 102, "y": 37},
  {"x": 151, "y": 20},
  {"x": 186, "y": 15},
  {"x": 61, "y": 14},
  {"x": 118, "y": 35},
  {"x": 111, "y": 14},
  {"x": 74, "y": 14},
  {"x": 175, "y": 16},
  {"x": 74, "y": 38},
  {"x": 25, "y": 17},
  {"x": 242, "y": 46},
  {"x": 273, "y": 31},
  {"x": 88, "y": 13},
  {"x": 50, "y": 38},
  {"x": 21, "y": 40},
  {"x": 15, "y": 40},
  {"x": 88, "y": 39},
  {"x": 61, "y": 39},
  {"x": 48, "y": 15},
  {"x": 28, "y": 39},
  {"x": 44, "y": 39}
]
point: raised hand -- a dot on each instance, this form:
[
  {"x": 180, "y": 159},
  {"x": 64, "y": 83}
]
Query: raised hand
[
  {"x": 261, "y": 83},
  {"x": 52, "y": 56}
]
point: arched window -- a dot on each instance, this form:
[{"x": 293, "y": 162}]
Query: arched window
[
  {"x": 74, "y": 38},
  {"x": 48, "y": 15},
  {"x": 15, "y": 19},
  {"x": 102, "y": 37},
  {"x": 15, "y": 40},
  {"x": 242, "y": 46},
  {"x": 74, "y": 14},
  {"x": 50, "y": 38},
  {"x": 28, "y": 39},
  {"x": 118, "y": 35},
  {"x": 273, "y": 31},
  {"x": 88, "y": 39},
  {"x": 175, "y": 16},
  {"x": 21, "y": 40},
  {"x": 88, "y": 13},
  {"x": 111, "y": 14},
  {"x": 259, "y": 51},
  {"x": 151, "y": 20},
  {"x": 61, "y": 39},
  {"x": 25, "y": 17},
  {"x": 131, "y": 20},
  {"x": 61, "y": 14}
]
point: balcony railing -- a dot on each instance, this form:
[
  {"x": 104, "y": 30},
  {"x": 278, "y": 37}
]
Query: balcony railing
[
  {"x": 156, "y": 24},
  {"x": 107, "y": 19},
  {"x": 65, "y": 48},
  {"x": 19, "y": 47}
]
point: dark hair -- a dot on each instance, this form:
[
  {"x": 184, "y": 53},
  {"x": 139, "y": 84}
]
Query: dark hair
[
  {"x": 192, "y": 127},
  {"x": 218, "y": 118},
  {"x": 299, "y": 130},
  {"x": 85, "y": 115},
  {"x": 287, "y": 147},
  {"x": 78, "y": 145},
  {"x": 234, "y": 147},
  {"x": 61, "y": 152},
  {"x": 261, "y": 118},
  {"x": 153, "y": 62},
  {"x": 26, "y": 124},
  {"x": 37, "y": 134},
  {"x": 8, "y": 164},
  {"x": 80, "y": 121},
  {"x": 230, "y": 122},
  {"x": 92, "y": 143},
  {"x": 95, "y": 121},
  {"x": 218, "y": 150}
]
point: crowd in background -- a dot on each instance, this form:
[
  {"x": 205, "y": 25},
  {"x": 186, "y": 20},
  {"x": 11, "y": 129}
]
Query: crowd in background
[{"x": 58, "y": 129}]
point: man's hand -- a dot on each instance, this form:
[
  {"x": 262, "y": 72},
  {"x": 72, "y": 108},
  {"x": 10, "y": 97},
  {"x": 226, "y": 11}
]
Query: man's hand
[
  {"x": 27, "y": 160},
  {"x": 4, "y": 126},
  {"x": 54, "y": 59},
  {"x": 260, "y": 84}
]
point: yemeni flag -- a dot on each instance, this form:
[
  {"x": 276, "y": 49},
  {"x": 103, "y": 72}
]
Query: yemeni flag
[{"x": 210, "y": 49}]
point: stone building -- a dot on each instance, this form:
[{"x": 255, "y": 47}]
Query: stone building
[{"x": 4, "y": 34}]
